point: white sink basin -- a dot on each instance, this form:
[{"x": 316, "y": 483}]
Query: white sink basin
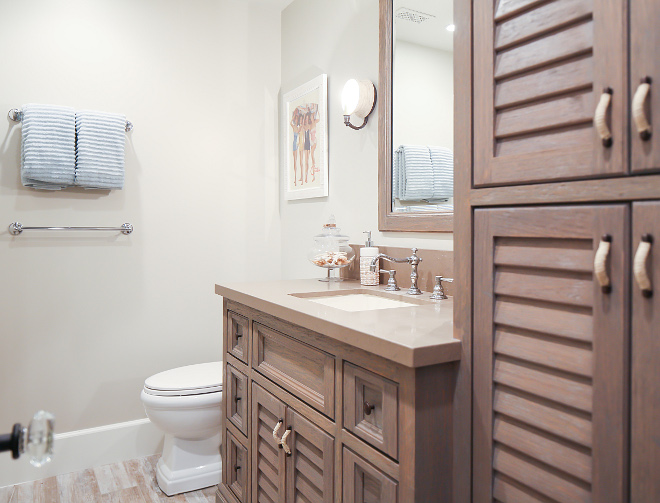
[{"x": 360, "y": 302}]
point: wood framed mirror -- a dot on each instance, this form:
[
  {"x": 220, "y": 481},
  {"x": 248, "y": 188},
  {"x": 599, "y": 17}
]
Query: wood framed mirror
[{"x": 416, "y": 116}]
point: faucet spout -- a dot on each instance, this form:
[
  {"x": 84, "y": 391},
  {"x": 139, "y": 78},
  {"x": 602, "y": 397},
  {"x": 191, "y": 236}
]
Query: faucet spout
[{"x": 413, "y": 260}]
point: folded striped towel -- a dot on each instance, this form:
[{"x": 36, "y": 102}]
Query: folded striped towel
[
  {"x": 100, "y": 144},
  {"x": 414, "y": 173},
  {"x": 48, "y": 151},
  {"x": 442, "y": 161}
]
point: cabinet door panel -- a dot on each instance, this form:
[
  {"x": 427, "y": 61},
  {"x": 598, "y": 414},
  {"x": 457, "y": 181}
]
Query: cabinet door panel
[
  {"x": 550, "y": 353},
  {"x": 310, "y": 468},
  {"x": 539, "y": 71},
  {"x": 268, "y": 463},
  {"x": 645, "y": 402},
  {"x": 364, "y": 483},
  {"x": 644, "y": 43}
]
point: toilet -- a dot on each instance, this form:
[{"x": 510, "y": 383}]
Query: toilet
[{"x": 185, "y": 404}]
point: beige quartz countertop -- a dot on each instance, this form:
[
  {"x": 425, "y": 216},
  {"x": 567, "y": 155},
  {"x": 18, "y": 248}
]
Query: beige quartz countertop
[{"x": 413, "y": 336}]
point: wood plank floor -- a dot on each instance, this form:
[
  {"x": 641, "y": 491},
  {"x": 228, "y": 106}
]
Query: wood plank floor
[{"x": 132, "y": 481}]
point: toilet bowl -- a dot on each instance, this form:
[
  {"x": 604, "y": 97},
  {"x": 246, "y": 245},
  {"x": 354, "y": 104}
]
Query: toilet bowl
[{"x": 185, "y": 404}]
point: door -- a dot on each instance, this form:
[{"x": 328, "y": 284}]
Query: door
[
  {"x": 540, "y": 69},
  {"x": 645, "y": 400},
  {"x": 268, "y": 459},
  {"x": 550, "y": 357},
  {"x": 644, "y": 81},
  {"x": 310, "y": 467},
  {"x": 364, "y": 483}
]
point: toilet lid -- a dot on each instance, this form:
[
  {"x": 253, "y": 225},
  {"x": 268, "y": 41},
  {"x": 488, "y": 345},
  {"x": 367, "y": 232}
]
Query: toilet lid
[{"x": 189, "y": 380}]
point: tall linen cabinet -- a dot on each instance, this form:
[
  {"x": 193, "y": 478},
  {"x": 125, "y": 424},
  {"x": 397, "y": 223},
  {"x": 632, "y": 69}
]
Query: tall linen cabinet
[{"x": 557, "y": 250}]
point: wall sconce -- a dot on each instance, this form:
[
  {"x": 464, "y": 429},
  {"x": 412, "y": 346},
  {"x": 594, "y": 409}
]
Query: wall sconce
[{"x": 358, "y": 98}]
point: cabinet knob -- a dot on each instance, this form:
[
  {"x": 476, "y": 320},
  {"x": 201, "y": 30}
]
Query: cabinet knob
[
  {"x": 638, "y": 112},
  {"x": 600, "y": 263},
  {"x": 600, "y": 117},
  {"x": 368, "y": 408},
  {"x": 639, "y": 266}
]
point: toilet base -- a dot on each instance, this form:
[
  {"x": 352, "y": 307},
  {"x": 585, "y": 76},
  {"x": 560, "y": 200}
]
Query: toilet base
[{"x": 189, "y": 465}]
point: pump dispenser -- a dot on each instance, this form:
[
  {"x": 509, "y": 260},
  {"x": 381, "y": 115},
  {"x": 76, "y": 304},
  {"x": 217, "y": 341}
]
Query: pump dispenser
[{"x": 368, "y": 277}]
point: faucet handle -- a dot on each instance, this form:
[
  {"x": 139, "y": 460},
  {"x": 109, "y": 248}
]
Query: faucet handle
[
  {"x": 391, "y": 283},
  {"x": 438, "y": 289}
]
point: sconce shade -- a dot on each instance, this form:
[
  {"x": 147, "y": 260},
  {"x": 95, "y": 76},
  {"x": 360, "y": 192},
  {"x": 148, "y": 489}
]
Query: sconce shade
[{"x": 358, "y": 98}]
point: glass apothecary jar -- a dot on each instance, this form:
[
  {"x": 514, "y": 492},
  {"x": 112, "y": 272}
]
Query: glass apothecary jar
[{"x": 331, "y": 250}]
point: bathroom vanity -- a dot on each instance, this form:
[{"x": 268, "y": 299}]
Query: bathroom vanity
[{"x": 336, "y": 392}]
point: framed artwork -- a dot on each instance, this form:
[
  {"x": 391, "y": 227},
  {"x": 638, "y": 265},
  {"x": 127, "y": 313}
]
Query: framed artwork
[{"x": 305, "y": 142}]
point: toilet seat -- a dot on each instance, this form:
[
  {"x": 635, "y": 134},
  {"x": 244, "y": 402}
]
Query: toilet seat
[{"x": 196, "y": 379}]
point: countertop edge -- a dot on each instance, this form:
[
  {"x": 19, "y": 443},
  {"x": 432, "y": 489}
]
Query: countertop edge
[{"x": 445, "y": 352}]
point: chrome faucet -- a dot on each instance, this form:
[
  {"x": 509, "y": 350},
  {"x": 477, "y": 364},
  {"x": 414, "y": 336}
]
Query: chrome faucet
[{"x": 413, "y": 260}]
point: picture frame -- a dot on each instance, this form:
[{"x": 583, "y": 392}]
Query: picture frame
[{"x": 304, "y": 144}]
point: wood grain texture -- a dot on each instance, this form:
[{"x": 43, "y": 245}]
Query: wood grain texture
[
  {"x": 645, "y": 366},
  {"x": 237, "y": 335},
  {"x": 365, "y": 483},
  {"x": 380, "y": 426},
  {"x": 307, "y": 370},
  {"x": 236, "y": 396},
  {"x": 552, "y": 419},
  {"x": 132, "y": 481},
  {"x": 644, "y": 38}
]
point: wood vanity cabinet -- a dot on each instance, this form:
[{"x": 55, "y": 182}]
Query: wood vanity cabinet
[{"x": 309, "y": 419}]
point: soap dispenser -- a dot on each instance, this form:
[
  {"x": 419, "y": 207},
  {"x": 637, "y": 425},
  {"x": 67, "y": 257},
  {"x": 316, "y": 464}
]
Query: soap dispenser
[{"x": 367, "y": 254}]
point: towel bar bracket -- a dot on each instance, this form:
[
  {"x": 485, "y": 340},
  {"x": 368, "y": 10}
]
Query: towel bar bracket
[{"x": 17, "y": 228}]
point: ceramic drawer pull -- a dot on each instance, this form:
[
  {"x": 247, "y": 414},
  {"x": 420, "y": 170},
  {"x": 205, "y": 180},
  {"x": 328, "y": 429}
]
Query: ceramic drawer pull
[
  {"x": 639, "y": 115},
  {"x": 600, "y": 263},
  {"x": 283, "y": 443},
  {"x": 600, "y": 117},
  {"x": 368, "y": 408},
  {"x": 276, "y": 430},
  {"x": 639, "y": 265}
]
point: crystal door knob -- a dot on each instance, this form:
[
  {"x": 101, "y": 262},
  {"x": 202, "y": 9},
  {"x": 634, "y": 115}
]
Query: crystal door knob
[{"x": 39, "y": 438}]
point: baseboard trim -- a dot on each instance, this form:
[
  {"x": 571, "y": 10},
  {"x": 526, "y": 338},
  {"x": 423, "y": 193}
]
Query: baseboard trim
[{"x": 82, "y": 449}]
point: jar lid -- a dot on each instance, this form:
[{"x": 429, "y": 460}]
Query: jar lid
[{"x": 330, "y": 230}]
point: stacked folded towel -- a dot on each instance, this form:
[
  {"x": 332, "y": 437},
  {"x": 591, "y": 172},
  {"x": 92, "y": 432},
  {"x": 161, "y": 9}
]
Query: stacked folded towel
[
  {"x": 423, "y": 173},
  {"x": 48, "y": 155},
  {"x": 100, "y": 150}
]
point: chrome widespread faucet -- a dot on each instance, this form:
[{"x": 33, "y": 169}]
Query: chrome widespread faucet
[{"x": 413, "y": 260}]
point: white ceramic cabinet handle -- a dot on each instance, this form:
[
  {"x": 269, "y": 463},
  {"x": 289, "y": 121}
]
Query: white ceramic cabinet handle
[
  {"x": 283, "y": 443},
  {"x": 600, "y": 117},
  {"x": 639, "y": 116},
  {"x": 600, "y": 263},
  {"x": 639, "y": 265},
  {"x": 276, "y": 430}
]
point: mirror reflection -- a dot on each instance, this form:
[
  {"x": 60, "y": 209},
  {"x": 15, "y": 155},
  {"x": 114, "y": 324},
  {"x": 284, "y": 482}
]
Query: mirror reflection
[{"x": 422, "y": 106}]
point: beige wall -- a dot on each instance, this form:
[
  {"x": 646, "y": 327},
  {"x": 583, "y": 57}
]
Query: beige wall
[
  {"x": 86, "y": 317},
  {"x": 339, "y": 38}
]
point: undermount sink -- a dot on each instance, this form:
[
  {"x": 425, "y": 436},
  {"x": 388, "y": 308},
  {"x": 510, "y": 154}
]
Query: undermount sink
[{"x": 359, "y": 300}]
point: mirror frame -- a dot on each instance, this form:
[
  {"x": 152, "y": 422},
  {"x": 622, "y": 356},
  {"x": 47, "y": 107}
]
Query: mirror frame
[{"x": 387, "y": 219}]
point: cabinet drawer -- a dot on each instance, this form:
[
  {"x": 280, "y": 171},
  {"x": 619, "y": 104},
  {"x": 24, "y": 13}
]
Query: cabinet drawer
[
  {"x": 236, "y": 467},
  {"x": 370, "y": 408},
  {"x": 364, "y": 483},
  {"x": 306, "y": 372},
  {"x": 236, "y": 391},
  {"x": 237, "y": 335}
]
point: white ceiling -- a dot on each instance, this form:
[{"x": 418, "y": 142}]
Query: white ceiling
[{"x": 430, "y": 33}]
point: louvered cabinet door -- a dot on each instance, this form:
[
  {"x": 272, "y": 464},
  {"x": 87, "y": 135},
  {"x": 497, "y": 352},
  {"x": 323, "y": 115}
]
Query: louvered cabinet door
[
  {"x": 645, "y": 367},
  {"x": 310, "y": 467},
  {"x": 540, "y": 68},
  {"x": 645, "y": 69},
  {"x": 549, "y": 355},
  {"x": 268, "y": 463}
]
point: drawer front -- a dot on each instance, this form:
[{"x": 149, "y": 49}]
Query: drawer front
[
  {"x": 236, "y": 397},
  {"x": 236, "y": 467},
  {"x": 237, "y": 335},
  {"x": 364, "y": 483},
  {"x": 370, "y": 408},
  {"x": 306, "y": 372}
]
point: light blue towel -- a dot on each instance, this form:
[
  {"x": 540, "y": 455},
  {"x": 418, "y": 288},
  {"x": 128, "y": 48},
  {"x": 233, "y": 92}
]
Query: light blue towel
[
  {"x": 423, "y": 173},
  {"x": 48, "y": 151},
  {"x": 100, "y": 150}
]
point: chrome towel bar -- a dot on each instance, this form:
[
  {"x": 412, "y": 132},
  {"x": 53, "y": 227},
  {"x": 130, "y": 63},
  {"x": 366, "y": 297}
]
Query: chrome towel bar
[
  {"x": 16, "y": 228},
  {"x": 16, "y": 115}
]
